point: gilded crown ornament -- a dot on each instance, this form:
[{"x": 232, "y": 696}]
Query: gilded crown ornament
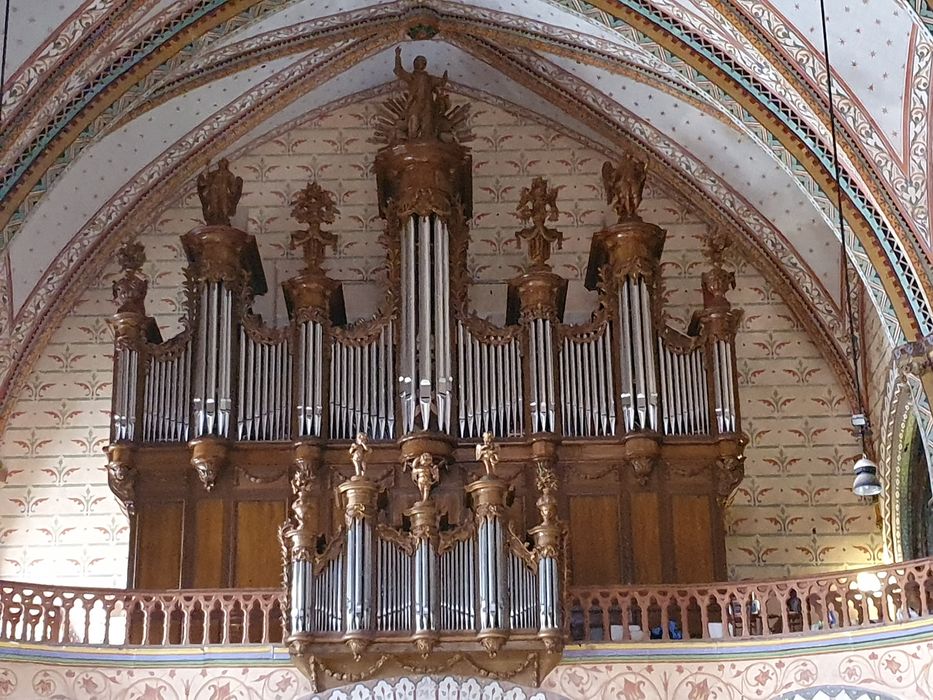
[
  {"x": 220, "y": 191},
  {"x": 624, "y": 183},
  {"x": 424, "y": 114},
  {"x": 314, "y": 206},
  {"x": 536, "y": 206}
]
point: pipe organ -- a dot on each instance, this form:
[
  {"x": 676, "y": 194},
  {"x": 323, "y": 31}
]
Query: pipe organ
[{"x": 622, "y": 427}]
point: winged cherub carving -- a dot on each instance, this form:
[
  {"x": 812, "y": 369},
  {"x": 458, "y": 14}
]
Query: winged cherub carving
[
  {"x": 220, "y": 191},
  {"x": 624, "y": 184}
]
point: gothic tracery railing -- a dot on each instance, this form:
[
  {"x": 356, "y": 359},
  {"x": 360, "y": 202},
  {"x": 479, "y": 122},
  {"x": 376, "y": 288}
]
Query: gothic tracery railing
[{"x": 865, "y": 598}]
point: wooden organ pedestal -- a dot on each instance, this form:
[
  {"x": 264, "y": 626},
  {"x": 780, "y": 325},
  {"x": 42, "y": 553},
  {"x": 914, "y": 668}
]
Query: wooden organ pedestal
[{"x": 621, "y": 432}]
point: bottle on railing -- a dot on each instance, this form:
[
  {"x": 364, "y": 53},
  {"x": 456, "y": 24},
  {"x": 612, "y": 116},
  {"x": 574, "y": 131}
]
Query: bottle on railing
[
  {"x": 225, "y": 272},
  {"x": 631, "y": 251}
]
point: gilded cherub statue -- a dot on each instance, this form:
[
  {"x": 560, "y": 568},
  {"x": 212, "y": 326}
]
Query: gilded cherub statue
[
  {"x": 219, "y": 191},
  {"x": 358, "y": 451},
  {"x": 314, "y": 206},
  {"x": 624, "y": 184},
  {"x": 424, "y": 473},
  {"x": 487, "y": 452},
  {"x": 538, "y": 205}
]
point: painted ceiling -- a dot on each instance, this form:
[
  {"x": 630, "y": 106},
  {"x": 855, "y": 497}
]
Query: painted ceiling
[{"x": 110, "y": 106}]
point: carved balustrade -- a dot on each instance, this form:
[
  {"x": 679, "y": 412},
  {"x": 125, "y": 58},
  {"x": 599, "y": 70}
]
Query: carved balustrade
[
  {"x": 881, "y": 595},
  {"x": 866, "y": 598},
  {"x": 110, "y": 617}
]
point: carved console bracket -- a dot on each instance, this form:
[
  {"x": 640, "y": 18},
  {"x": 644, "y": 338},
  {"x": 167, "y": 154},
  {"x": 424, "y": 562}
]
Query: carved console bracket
[{"x": 208, "y": 458}]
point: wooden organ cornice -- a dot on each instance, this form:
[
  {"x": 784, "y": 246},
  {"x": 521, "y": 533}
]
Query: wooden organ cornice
[{"x": 622, "y": 432}]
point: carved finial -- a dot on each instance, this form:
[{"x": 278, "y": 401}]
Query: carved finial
[
  {"x": 487, "y": 452},
  {"x": 624, "y": 184},
  {"x": 129, "y": 291},
  {"x": 424, "y": 472},
  {"x": 424, "y": 114},
  {"x": 314, "y": 206},
  {"x": 538, "y": 205},
  {"x": 546, "y": 482},
  {"x": 715, "y": 243},
  {"x": 219, "y": 191},
  {"x": 358, "y": 451},
  {"x": 717, "y": 281}
]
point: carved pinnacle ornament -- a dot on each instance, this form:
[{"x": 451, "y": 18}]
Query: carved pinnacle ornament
[
  {"x": 487, "y": 452},
  {"x": 424, "y": 114},
  {"x": 129, "y": 291},
  {"x": 536, "y": 206},
  {"x": 314, "y": 206},
  {"x": 624, "y": 184},
  {"x": 219, "y": 191},
  {"x": 718, "y": 281}
]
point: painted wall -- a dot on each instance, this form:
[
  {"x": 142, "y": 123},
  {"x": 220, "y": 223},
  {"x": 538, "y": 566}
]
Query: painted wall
[
  {"x": 794, "y": 512},
  {"x": 893, "y": 663}
]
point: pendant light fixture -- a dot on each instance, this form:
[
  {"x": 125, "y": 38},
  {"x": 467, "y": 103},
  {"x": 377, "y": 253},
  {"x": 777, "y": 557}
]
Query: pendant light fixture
[{"x": 866, "y": 471}]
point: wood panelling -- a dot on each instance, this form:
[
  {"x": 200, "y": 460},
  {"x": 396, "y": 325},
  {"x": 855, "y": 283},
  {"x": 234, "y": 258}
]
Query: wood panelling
[
  {"x": 594, "y": 539},
  {"x": 258, "y": 559},
  {"x": 208, "y": 544},
  {"x": 158, "y": 545},
  {"x": 693, "y": 549},
  {"x": 646, "y": 538}
]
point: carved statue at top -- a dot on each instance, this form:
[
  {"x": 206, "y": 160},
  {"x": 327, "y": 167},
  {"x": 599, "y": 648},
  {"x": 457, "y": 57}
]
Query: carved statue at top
[
  {"x": 717, "y": 281},
  {"x": 624, "y": 185},
  {"x": 314, "y": 206},
  {"x": 219, "y": 191},
  {"x": 538, "y": 205},
  {"x": 487, "y": 452},
  {"x": 129, "y": 291},
  {"x": 424, "y": 114},
  {"x": 425, "y": 98},
  {"x": 358, "y": 451}
]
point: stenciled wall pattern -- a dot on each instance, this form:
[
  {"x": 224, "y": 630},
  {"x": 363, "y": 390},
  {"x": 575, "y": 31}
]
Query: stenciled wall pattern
[{"x": 794, "y": 513}]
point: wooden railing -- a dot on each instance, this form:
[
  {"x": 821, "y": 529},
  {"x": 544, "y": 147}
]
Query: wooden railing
[
  {"x": 107, "y": 617},
  {"x": 881, "y": 595}
]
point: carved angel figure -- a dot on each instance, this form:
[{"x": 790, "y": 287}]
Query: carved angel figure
[
  {"x": 487, "y": 452},
  {"x": 219, "y": 191},
  {"x": 314, "y": 206},
  {"x": 425, "y": 97},
  {"x": 424, "y": 473},
  {"x": 538, "y": 205},
  {"x": 624, "y": 184},
  {"x": 358, "y": 451}
]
